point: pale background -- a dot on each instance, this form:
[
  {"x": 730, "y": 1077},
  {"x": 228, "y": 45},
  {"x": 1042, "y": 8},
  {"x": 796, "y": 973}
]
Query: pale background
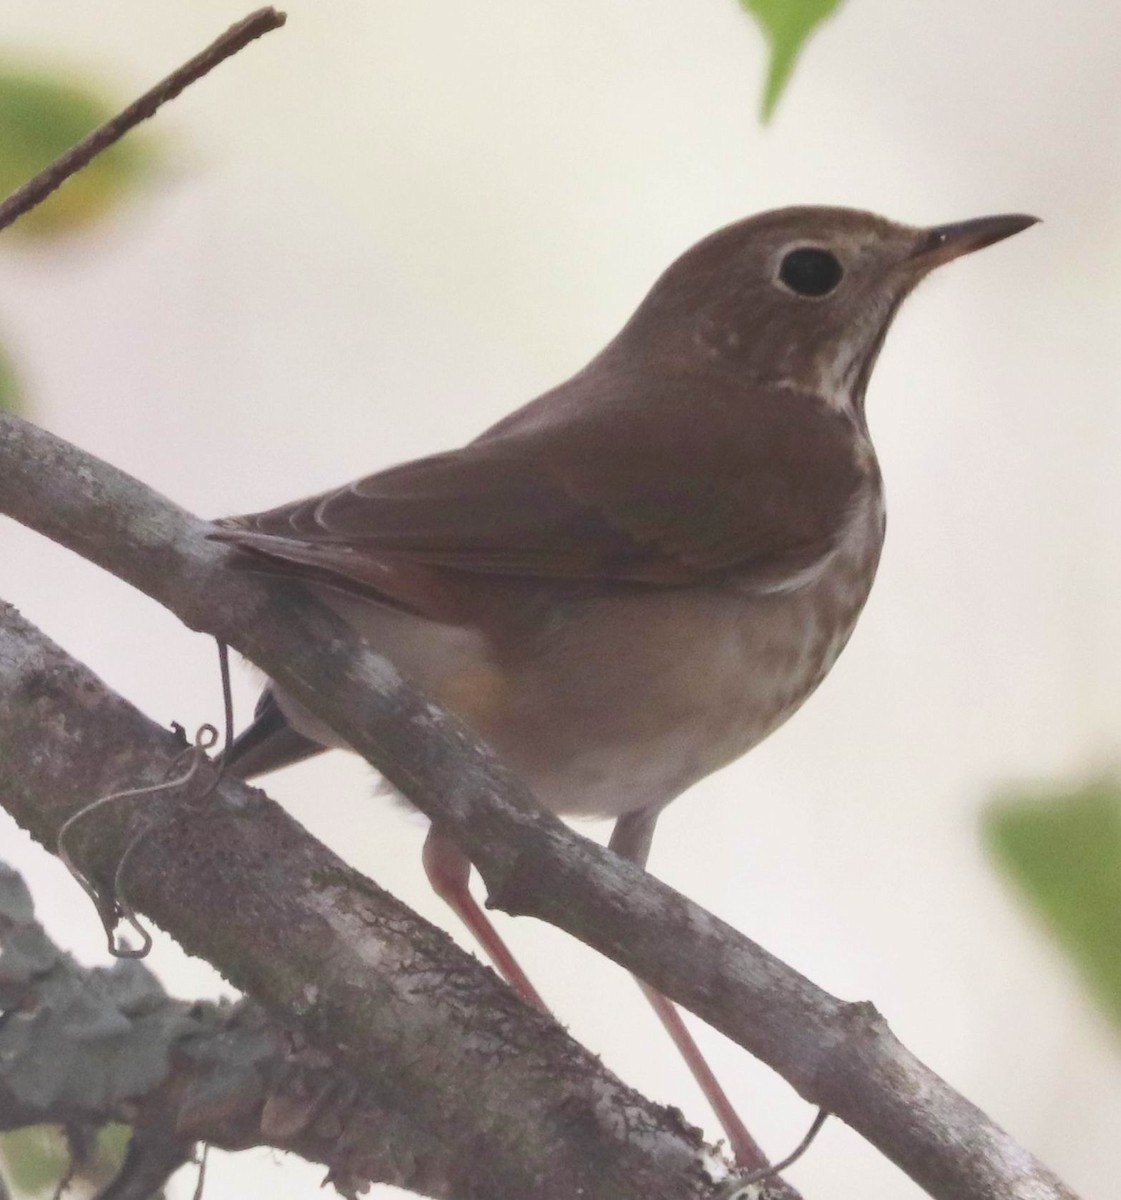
[{"x": 382, "y": 228}]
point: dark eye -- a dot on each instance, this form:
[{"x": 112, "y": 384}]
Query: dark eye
[{"x": 810, "y": 271}]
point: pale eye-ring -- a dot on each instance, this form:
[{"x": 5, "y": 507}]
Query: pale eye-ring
[{"x": 810, "y": 271}]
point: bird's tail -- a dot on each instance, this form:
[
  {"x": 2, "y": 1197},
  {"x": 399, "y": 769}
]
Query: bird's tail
[{"x": 269, "y": 743}]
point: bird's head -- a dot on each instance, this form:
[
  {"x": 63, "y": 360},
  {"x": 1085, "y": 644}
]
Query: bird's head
[{"x": 800, "y": 297}]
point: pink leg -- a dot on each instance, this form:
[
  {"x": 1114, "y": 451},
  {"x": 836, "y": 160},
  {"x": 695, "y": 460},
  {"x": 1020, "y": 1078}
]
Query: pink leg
[
  {"x": 449, "y": 872},
  {"x": 631, "y": 838},
  {"x": 745, "y": 1149}
]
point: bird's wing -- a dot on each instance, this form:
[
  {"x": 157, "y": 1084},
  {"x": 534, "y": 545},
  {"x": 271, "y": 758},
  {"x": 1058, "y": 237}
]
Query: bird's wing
[{"x": 678, "y": 484}]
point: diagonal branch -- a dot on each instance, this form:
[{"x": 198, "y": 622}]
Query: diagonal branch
[{"x": 839, "y": 1056}]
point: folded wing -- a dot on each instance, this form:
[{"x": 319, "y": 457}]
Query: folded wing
[{"x": 664, "y": 489}]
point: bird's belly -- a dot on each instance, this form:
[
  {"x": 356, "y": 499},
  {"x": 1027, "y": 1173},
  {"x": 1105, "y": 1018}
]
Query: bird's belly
[
  {"x": 628, "y": 701},
  {"x": 610, "y": 703}
]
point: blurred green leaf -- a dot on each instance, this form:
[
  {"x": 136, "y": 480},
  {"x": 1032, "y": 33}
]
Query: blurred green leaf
[
  {"x": 1062, "y": 850},
  {"x": 35, "y": 1159},
  {"x": 786, "y": 24},
  {"x": 41, "y": 115},
  {"x": 10, "y": 391}
]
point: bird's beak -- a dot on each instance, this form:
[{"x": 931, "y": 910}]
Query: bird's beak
[{"x": 944, "y": 243}]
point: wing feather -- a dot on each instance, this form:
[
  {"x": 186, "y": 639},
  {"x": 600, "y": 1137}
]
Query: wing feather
[{"x": 694, "y": 481}]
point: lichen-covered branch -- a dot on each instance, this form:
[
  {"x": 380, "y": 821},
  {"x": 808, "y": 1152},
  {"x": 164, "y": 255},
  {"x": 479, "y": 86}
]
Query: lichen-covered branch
[
  {"x": 87, "y": 1046},
  {"x": 838, "y": 1056}
]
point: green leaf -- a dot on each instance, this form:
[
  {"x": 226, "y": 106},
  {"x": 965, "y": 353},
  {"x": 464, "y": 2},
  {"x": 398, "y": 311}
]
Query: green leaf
[
  {"x": 10, "y": 391},
  {"x": 35, "y": 1158},
  {"x": 786, "y": 25},
  {"x": 41, "y": 115},
  {"x": 1062, "y": 850}
]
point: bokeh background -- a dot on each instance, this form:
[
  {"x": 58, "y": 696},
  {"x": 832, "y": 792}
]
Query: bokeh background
[{"x": 375, "y": 232}]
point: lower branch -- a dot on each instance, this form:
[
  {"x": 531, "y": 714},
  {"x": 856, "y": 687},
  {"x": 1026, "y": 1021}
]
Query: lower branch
[{"x": 475, "y": 1095}]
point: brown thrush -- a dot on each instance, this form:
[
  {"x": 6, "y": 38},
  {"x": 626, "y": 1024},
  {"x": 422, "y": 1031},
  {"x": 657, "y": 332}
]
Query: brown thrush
[{"x": 635, "y": 578}]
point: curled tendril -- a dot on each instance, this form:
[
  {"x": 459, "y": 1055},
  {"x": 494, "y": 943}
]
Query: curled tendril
[
  {"x": 116, "y": 907},
  {"x": 737, "y": 1189}
]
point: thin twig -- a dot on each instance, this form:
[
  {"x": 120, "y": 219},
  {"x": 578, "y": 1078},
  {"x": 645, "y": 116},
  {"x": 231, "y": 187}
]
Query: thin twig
[{"x": 40, "y": 186}]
